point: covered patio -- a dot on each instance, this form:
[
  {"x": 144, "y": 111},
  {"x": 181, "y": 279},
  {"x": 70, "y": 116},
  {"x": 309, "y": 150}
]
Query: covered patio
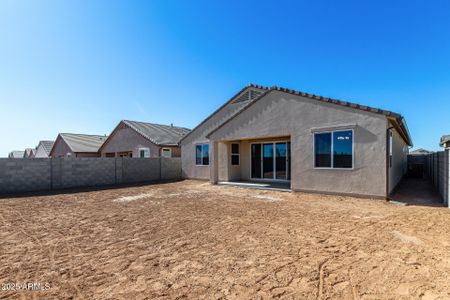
[{"x": 257, "y": 163}]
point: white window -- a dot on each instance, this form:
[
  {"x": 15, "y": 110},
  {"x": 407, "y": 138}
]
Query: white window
[
  {"x": 68, "y": 154},
  {"x": 166, "y": 152},
  {"x": 333, "y": 149},
  {"x": 235, "y": 154},
  {"x": 144, "y": 152},
  {"x": 202, "y": 155}
]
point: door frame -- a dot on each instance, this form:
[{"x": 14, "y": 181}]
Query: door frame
[{"x": 288, "y": 160}]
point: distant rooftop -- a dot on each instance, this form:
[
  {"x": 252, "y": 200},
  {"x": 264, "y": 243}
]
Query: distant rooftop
[
  {"x": 80, "y": 143},
  {"x": 157, "y": 133}
]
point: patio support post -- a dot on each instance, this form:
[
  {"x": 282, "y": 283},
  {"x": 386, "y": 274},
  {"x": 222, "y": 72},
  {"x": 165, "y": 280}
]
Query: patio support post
[{"x": 214, "y": 162}]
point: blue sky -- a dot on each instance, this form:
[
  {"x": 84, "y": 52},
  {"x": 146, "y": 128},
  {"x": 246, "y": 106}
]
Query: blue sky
[{"x": 82, "y": 66}]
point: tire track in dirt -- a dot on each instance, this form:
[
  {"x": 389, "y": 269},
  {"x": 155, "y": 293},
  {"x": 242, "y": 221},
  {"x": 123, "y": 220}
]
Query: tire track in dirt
[{"x": 321, "y": 279}]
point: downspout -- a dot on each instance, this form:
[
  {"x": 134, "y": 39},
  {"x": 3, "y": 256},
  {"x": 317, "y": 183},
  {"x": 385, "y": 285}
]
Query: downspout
[{"x": 388, "y": 160}]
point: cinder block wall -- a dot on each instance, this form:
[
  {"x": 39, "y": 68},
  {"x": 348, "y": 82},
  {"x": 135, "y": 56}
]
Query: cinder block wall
[
  {"x": 439, "y": 173},
  {"x": 23, "y": 175},
  {"x": 140, "y": 170},
  {"x": 170, "y": 168},
  {"x": 43, "y": 174},
  {"x": 446, "y": 192},
  {"x": 82, "y": 172}
]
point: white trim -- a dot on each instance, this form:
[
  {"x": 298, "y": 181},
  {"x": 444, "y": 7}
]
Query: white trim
[
  {"x": 170, "y": 152},
  {"x": 274, "y": 161},
  {"x": 332, "y": 148},
  {"x": 144, "y": 149}
]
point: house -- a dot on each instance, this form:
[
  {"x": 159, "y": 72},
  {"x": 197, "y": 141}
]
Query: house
[
  {"x": 421, "y": 152},
  {"x": 16, "y": 154},
  {"x": 139, "y": 139},
  {"x": 27, "y": 153},
  {"x": 77, "y": 145},
  {"x": 445, "y": 141},
  {"x": 33, "y": 153},
  {"x": 43, "y": 149},
  {"x": 307, "y": 142}
]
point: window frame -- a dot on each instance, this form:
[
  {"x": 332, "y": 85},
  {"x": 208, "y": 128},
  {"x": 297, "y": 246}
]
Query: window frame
[
  {"x": 143, "y": 149},
  {"x": 201, "y": 154},
  {"x": 235, "y": 154},
  {"x": 166, "y": 148},
  {"x": 332, "y": 149},
  {"x": 391, "y": 148}
]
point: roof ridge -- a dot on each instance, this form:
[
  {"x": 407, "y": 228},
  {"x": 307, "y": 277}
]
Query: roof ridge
[
  {"x": 170, "y": 126},
  {"x": 80, "y": 134},
  {"x": 336, "y": 101},
  {"x": 139, "y": 131},
  {"x": 321, "y": 99}
]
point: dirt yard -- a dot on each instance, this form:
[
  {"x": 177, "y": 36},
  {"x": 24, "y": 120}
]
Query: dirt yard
[{"x": 193, "y": 240}]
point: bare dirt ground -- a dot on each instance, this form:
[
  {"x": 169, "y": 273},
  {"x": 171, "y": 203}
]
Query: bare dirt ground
[{"x": 193, "y": 240}]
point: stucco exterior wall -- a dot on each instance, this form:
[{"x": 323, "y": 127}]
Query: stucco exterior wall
[
  {"x": 60, "y": 149},
  {"x": 127, "y": 139},
  {"x": 399, "y": 161},
  {"x": 281, "y": 114},
  {"x": 198, "y": 136}
]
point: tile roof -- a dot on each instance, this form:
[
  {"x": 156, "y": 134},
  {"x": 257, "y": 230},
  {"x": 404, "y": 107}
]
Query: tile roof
[
  {"x": 27, "y": 152},
  {"x": 240, "y": 100},
  {"x": 83, "y": 142},
  {"x": 420, "y": 152},
  {"x": 159, "y": 134},
  {"x": 16, "y": 154},
  {"x": 444, "y": 139},
  {"x": 47, "y": 145}
]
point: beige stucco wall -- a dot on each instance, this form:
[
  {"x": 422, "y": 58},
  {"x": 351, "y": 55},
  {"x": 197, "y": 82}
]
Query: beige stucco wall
[
  {"x": 282, "y": 114},
  {"x": 60, "y": 148},
  {"x": 399, "y": 160},
  {"x": 198, "y": 136},
  {"x": 127, "y": 139}
]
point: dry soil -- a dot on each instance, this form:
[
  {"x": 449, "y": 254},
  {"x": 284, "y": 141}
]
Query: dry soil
[{"x": 193, "y": 240}]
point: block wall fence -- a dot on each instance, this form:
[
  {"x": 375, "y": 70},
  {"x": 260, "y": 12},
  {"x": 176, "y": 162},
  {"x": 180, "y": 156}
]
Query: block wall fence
[
  {"x": 47, "y": 174},
  {"x": 439, "y": 173}
]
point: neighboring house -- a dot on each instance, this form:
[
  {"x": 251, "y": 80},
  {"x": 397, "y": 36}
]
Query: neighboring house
[
  {"x": 16, "y": 154},
  {"x": 420, "y": 152},
  {"x": 311, "y": 143},
  {"x": 27, "y": 153},
  {"x": 77, "y": 145},
  {"x": 445, "y": 141},
  {"x": 43, "y": 149},
  {"x": 139, "y": 139},
  {"x": 33, "y": 153}
]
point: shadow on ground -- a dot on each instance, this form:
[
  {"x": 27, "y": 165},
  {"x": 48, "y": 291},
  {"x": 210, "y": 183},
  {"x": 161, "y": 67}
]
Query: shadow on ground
[
  {"x": 82, "y": 189},
  {"x": 420, "y": 192}
]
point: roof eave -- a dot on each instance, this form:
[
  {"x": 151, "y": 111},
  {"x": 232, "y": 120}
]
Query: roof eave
[{"x": 225, "y": 104}]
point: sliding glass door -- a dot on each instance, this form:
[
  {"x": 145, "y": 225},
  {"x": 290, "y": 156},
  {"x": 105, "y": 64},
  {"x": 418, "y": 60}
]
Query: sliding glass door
[
  {"x": 281, "y": 161},
  {"x": 256, "y": 161},
  {"x": 270, "y": 161}
]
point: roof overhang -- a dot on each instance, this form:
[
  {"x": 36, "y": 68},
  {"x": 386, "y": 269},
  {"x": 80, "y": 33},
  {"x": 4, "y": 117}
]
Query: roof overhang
[
  {"x": 399, "y": 124},
  {"x": 396, "y": 119}
]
